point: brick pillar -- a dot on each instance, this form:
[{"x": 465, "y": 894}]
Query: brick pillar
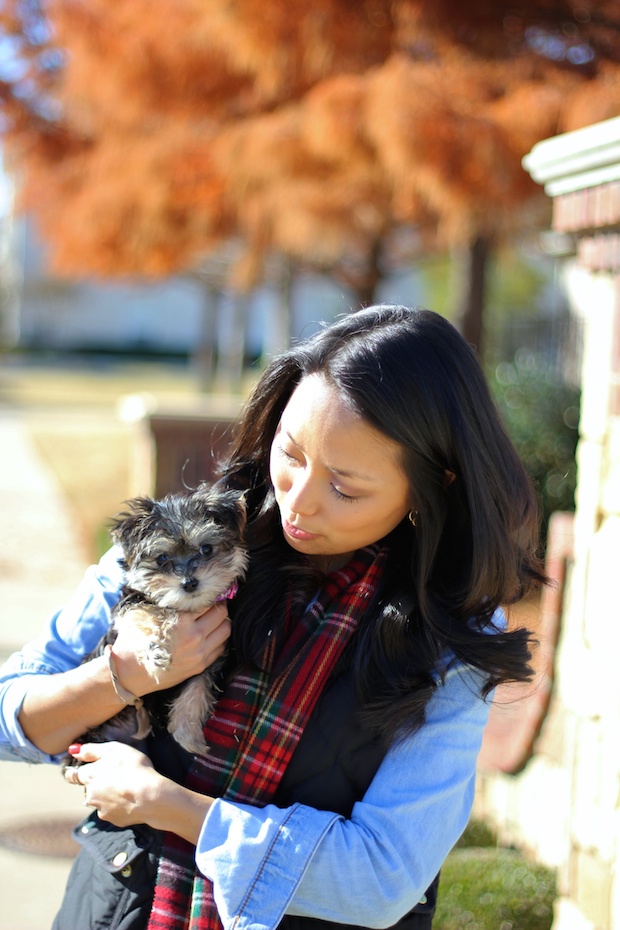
[{"x": 565, "y": 805}]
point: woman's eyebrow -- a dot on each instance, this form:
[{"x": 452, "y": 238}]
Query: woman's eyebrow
[
  {"x": 341, "y": 472},
  {"x": 357, "y": 475}
]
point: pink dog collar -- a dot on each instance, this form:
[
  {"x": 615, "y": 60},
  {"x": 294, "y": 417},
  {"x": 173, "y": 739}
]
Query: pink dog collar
[{"x": 228, "y": 594}]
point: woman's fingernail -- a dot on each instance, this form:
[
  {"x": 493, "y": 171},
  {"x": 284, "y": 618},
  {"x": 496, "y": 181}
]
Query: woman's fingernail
[{"x": 74, "y": 748}]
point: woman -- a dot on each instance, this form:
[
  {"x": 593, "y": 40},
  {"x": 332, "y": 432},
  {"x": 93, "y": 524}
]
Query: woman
[{"x": 389, "y": 518}]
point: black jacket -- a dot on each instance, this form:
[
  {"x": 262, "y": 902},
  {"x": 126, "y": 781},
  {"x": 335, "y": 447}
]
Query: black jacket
[{"x": 331, "y": 768}]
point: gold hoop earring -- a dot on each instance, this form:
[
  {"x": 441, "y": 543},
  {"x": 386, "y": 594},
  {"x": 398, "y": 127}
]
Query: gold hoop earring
[{"x": 411, "y": 516}]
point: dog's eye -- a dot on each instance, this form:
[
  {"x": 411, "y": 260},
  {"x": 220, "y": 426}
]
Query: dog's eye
[
  {"x": 206, "y": 550},
  {"x": 163, "y": 558}
]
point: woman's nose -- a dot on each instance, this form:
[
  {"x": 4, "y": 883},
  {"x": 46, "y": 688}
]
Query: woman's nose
[{"x": 302, "y": 495}]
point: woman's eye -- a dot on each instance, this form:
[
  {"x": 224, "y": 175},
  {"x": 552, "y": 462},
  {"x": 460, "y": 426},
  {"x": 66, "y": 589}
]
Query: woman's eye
[
  {"x": 343, "y": 497},
  {"x": 163, "y": 558},
  {"x": 206, "y": 550},
  {"x": 287, "y": 455}
]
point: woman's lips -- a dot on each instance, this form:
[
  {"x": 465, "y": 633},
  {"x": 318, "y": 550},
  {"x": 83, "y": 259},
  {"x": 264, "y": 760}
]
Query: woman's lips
[{"x": 296, "y": 532}]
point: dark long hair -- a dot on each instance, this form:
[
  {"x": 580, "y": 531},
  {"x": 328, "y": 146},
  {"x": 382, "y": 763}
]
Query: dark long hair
[{"x": 409, "y": 374}]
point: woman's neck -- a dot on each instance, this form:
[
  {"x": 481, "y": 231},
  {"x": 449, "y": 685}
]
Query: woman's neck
[{"x": 330, "y": 563}]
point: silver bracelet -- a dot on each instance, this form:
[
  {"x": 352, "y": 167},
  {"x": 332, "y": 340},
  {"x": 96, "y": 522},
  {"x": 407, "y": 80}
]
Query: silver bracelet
[{"x": 126, "y": 696}]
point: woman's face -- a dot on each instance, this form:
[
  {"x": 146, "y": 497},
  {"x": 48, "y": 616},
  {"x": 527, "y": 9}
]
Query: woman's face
[{"x": 338, "y": 481}]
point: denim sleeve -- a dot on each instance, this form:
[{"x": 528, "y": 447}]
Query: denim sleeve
[
  {"x": 370, "y": 869},
  {"x": 71, "y": 633}
]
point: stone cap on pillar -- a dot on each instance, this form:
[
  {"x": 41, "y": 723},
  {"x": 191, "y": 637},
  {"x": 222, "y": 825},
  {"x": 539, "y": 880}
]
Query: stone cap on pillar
[{"x": 580, "y": 171}]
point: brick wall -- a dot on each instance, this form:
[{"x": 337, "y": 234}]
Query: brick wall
[{"x": 564, "y": 806}]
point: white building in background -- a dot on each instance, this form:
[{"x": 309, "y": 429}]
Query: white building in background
[
  {"x": 64, "y": 314},
  {"x": 163, "y": 316}
]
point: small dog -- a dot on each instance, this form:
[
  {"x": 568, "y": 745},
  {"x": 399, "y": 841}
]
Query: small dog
[{"x": 184, "y": 552}]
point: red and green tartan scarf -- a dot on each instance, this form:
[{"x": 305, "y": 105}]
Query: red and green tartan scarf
[{"x": 256, "y": 726}]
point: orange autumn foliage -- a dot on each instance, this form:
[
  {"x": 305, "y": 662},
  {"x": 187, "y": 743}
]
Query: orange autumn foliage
[{"x": 143, "y": 134}]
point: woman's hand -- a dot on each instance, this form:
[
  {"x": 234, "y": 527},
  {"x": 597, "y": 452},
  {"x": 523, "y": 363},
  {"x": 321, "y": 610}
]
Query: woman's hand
[
  {"x": 197, "y": 640},
  {"x": 57, "y": 709},
  {"x": 121, "y": 783},
  {"x": 118, "y": 780}
]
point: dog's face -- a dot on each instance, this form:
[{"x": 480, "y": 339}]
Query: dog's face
[{"x": 185, "y": 550}]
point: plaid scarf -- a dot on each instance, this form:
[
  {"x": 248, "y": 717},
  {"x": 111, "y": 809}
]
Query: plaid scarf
[{"x": 256, "y": 726}]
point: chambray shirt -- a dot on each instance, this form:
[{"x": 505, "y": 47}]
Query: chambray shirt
[{"x": 369, "y": 869}]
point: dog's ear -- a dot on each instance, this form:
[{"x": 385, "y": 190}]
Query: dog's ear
[
  {"x": 237, "y": 509},
  {"x": 226, "y": 507},
  {"x": 127, "y": 527}
]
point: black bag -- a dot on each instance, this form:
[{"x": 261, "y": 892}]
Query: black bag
[{"x": 111, "y": 883}]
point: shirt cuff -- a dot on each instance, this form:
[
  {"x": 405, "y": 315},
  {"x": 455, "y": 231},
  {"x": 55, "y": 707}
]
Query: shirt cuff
[
  {"x": 19, "y": 748},
  {"x": 254, "y": 891}
]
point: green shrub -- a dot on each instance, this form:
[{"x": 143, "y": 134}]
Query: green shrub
[
  {"x": 477, "y": 833},
  {"x": 541, "y": 414},
  {"x": 494, "y": 889}
]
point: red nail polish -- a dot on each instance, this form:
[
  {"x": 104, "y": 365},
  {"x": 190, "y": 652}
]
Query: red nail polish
[{"x": 74, "y": 748}]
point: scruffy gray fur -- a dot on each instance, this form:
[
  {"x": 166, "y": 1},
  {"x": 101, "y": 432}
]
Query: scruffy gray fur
[{"x": 181, "y": 553}]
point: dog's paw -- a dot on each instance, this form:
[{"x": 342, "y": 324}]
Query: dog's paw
[
  {"x": 192, "y": 742},
  {"x": 187, "y": 732},
  {"x": 157, "y": 656}
]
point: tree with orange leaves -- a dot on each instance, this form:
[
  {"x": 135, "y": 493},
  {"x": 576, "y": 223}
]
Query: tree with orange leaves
[{"x": 147, "y": 134}]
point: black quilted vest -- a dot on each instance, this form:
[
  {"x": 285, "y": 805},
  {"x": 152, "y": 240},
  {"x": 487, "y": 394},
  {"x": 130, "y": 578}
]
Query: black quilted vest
[{"x": 332, "y": 767}]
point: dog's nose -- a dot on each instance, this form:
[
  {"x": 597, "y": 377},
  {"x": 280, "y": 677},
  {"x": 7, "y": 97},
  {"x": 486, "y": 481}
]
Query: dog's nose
[{"x": 189, "y": 584}]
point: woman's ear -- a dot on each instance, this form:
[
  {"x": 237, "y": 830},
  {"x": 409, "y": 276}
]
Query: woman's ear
[{"x": 450, "y": 476}]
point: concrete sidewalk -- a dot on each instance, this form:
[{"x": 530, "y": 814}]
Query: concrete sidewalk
[{"x": 41, "y": 562}]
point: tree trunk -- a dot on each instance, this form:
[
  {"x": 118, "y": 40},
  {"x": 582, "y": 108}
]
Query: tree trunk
[
  {"x": 203, "y": 354},
  {"x": 474, "y": 264},
  {"x": 231, "y": 348},
  {"x": 363, "y": 282},
  {"x": 369, "y": 280},
  {"x": 278, "y": 335},
  {"x": 365, "y": 291}
]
